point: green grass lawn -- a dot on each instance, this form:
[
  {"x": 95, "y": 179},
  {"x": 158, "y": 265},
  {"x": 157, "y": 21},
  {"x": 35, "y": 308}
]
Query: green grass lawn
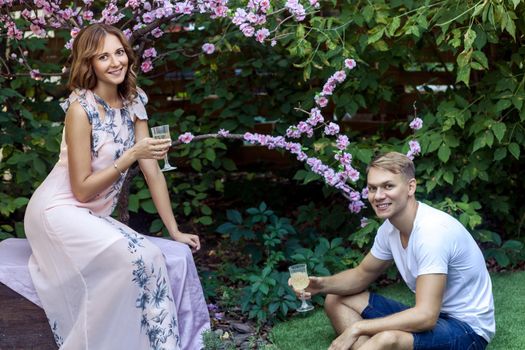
[{"x": 313, "y": 331}]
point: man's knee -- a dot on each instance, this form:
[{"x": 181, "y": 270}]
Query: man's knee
[
  {"x": 393, "y": 340},
  {"x": 356, "y": 302}
]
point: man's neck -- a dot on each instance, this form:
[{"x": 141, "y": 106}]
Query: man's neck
[{"x": 404, "y": 222}]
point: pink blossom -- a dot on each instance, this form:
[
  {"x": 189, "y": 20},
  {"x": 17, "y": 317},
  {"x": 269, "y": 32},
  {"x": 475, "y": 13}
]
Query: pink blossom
[
  {"x": 12, "y": 31},
  {"x": 305, "y": 128},
  {"x": 127, "y": 33},
  {"x": 414, "y": 146},
  {"x": 350, "y": 63},
  {"x": 35, "y": 74},
  {"x": 273, "y": 43},
  {"x": 37, "y": 30},
  {"x": 247, "y": 30},
  {"x": 87, "y": 15},
  {"x": 315, "y": 4},
  {"x": 248, "y": 137},
  {"x": 328, "y": 89},
  {"x": 208, "y": 48},
  {"x": 331, "y": 129},
  {"x": 74, "y": 32},
  {"x": 148, "y": 17},
  {"x": 186, "y": 137},
  {"x": 321, "y": 101},
  {"x": 416, "y": 124},
  {"x": 146, "y": 66},
  {"x": 223, "y": 132},
  {"x": 352, "y": 174},
  {"x": 262, "y": 34},
  {"x": 355, "y": 207},
  {"x": 355, "y": 196},
  {"x": 69, "y": 44},
  {"x": 364, "y": 222},
  {"x": 364, "y": 193},
  {"x": 293, "y": 132},
  {"x": 340, "y": 76},
  {"x": 252, "y": 17},
  {"x": 344, "y": 158},
  {"x": 151, "y": 52},
  {"x": 342, "y": 142},
  {"x": 315, "y": 117},
  {"x": 415, "y": 149},
  {"x": 157, "y": 32},
  {"x": 65, "y": 14},
  {"x": 26, "y": 14},
  {"x": 133, "y": 4},
  {"x": 239, "y": 17}
]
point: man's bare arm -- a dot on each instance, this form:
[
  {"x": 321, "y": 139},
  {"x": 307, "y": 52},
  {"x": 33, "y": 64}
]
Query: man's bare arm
[{"x": 350, "y": 281}]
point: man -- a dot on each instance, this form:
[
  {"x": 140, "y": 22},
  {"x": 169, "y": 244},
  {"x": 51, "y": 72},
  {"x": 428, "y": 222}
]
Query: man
[{"x": 438, "y": 260}]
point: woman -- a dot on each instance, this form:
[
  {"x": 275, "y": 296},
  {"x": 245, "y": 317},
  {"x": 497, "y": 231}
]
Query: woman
[{"x": 102, "y": 285}]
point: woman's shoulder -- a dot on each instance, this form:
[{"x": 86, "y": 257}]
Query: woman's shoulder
[
  {"x": 83, "y": 97},
  {"x": 80, "y": 103},
  {"x": 137, "y": 107}
]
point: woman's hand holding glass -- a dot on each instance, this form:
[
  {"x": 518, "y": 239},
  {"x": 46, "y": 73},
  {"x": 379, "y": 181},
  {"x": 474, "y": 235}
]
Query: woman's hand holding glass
[
  {"x": 150, "y": 148},
  {"x": 163, "y": 132}
]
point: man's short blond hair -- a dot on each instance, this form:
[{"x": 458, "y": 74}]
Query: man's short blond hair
[{"x": 394, "y": 162}]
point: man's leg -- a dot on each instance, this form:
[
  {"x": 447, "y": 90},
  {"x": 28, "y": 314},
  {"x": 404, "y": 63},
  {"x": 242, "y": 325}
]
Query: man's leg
[
  {"x": 390, "y": 340},
  {"x": 343, "y": 311}
]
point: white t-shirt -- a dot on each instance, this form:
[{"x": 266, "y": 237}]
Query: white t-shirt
[{"x": 440, "y": 244}]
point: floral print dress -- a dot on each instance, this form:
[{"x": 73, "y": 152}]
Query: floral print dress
[{"x": 102, "y": 285}]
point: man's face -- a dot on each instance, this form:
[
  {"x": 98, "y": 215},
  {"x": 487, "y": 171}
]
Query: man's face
[{"x": 388, "y": 193}]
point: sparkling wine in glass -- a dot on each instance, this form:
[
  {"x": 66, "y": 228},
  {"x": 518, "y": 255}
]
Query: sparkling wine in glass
[
  {"x": 299, "y": 280},
  {"x": 163, "y": 132}
]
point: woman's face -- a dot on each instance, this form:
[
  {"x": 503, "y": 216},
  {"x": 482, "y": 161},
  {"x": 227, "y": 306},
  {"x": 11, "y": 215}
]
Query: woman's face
[{"x": 111, "y": 62}]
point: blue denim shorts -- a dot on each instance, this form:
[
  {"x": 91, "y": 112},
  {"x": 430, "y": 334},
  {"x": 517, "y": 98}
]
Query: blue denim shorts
[{"x": 448, "y": 334}]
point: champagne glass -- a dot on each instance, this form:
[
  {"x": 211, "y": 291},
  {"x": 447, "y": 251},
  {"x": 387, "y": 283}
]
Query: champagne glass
[
  {"x": 163, "y": 132},
  {"x": 299, "y": 280}
]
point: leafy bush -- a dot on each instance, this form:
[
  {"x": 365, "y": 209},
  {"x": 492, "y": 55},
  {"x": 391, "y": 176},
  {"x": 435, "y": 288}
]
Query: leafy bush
[{"x": 270, "y": 244}]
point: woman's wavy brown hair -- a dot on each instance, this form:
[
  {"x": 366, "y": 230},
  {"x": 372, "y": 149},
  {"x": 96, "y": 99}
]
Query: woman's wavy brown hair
[{"x": 86, "y": 45}]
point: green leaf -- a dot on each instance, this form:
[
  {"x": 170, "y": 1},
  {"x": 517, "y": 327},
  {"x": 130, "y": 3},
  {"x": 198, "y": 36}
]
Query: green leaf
[
  {"x": 444, "y": 153},
  {"x": 228, "y": 164},
  {"x": 512, "y": 245},
  {"x": 510, "y": 27},
  {"x": 133, "y": 203},
  {"x": 480, "y": 57},
  {"x": 464, "y": 58},
  {"x": 148, "y": 206},
  {"x": 499, "y": 130},
  {"x": 463, "y": 75},
  {"x": 448, "y": 176},
  {"x": 226, "y": 228},
  {"x": 501, "y": 258},
  {"x": 376, "y": 36},
  {"x": 205, "y": 220},
  {"x": 234, "y": 216},
  {"x": 503, "y": 104},
  {"x": 393, "y": 26},
  {"x": 500, "y": 153},
  {"x": 514, "y": 149},
  {"x": 469, "y": 38},
  {"x": 206, "y": 210},
  {"x": 209, "y": 154},
  {"x": 479, "y": 143},
  {"x": 196, "y": 164}
]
